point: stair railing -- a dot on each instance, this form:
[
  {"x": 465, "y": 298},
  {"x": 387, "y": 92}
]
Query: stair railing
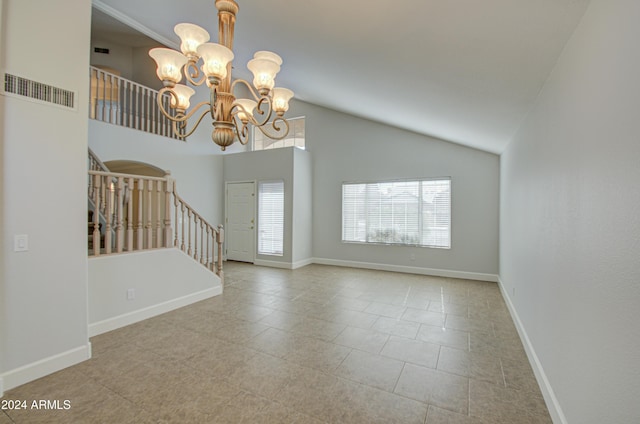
[
  {"x": 119, "y": 101},
  {"x": 195, "y": 236},
  {"x": 140, "y": 213}
]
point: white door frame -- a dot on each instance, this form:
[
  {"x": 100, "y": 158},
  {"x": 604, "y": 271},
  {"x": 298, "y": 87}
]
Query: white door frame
[{"x": 251, "y": 255}]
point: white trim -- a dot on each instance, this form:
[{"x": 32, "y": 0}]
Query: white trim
[
  {"x": 44, "y": 367},
  {"x": 553, "y": 405},
  {"x": 410, "y": 269},
  {"x": 273, "y": 264},
  {"x": 284, "y": 265},
  {"x": 116, "y": 14},
  {"x": 300, "y": 264},
  {"x": 151, "y": 311}
]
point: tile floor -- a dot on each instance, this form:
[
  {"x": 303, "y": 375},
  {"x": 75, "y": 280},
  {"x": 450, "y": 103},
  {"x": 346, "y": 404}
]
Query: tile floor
[{"x": 317, "y": 344}]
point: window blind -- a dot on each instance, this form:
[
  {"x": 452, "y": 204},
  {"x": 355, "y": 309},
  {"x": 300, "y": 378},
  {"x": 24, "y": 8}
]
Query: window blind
[
  {"x": 271, "y": 217},
  {"x": 415, "y": 213}
]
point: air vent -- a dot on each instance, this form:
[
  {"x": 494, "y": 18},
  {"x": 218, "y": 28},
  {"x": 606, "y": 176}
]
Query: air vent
[{"x": 38, "y": 91}]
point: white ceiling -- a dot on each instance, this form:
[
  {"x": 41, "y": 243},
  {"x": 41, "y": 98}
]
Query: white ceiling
[{"x": 466, "y": 71}]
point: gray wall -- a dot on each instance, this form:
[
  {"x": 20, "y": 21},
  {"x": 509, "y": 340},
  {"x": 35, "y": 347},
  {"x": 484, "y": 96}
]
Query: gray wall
[
  {"x": 346, "y": 148},
  {"x": 302, "y": 237},
  {"x": 279, "y": 164},
  {"x": 570, "y": 223}
]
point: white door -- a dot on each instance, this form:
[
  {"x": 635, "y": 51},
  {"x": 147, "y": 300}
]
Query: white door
[{"x": 240, "y": 232}]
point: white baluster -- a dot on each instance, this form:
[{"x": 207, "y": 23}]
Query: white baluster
[
  {"x": 139, "y": 224},
  {"x": 129, "y": 199}
]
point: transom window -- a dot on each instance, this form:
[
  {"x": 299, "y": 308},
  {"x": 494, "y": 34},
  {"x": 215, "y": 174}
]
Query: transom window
[
  {"x": 413, "y": 213},
  {"x": 295, "y": 138}
]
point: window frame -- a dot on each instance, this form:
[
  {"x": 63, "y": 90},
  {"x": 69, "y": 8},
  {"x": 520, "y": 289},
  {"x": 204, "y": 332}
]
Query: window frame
[
  {"x": 260, "y": 208},
  {"x": 419, "y": 214}
]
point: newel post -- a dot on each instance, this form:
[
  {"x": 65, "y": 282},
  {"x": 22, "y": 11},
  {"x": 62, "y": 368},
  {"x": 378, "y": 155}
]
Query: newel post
[
  {"x": 169, "y": 190},
  {"x": 220, "y": 241}
]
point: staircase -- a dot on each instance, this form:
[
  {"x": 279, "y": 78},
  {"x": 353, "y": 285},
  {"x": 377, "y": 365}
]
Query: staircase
[{"x": 130, "y": 213}]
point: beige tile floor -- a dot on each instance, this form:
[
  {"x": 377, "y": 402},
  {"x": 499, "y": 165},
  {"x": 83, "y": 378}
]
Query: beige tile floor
[{"x": 317, "y": 344}]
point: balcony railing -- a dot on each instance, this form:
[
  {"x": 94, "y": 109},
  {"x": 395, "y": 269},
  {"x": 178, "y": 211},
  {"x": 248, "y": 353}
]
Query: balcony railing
[{"x": 118, "y": 101}]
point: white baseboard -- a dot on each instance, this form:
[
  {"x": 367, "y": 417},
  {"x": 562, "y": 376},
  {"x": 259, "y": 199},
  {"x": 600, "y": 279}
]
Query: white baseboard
[
  {"x": 545, "y": 387},
  {"x": 151, "y": 311},
  {"x": 43, "y": 367},
  {"x": 300, "y": 264},
  {"x": 272, "y": 264},
  {"x": 283, "y": 265},
  {"x": 409, "y": 269}
]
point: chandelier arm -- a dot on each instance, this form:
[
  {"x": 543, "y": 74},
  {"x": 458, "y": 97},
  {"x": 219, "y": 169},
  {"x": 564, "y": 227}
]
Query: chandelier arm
[
  {"x": 242, "y": 127},
  {"x": 192, "y": 73},
  {"x": 187, "y": 134},
  {"x": 243, "y": 134},
  {"x": 179, "y": 128},
  {"x": 258, "y": 98},
  {"x": 267, "y": 113},
  {"x": 252, "y": 90},
  {"x": 274, "y": 136},
  {"x": 180, "y": 117}
]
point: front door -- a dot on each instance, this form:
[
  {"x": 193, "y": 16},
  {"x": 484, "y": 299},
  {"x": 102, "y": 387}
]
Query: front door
[{"x": 240, "y": 232}]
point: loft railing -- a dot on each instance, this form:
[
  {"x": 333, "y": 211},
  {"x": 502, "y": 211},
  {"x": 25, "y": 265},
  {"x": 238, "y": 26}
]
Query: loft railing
[
  {"x": 122, "y": 102},
  {"x": 133, "y": 212}
]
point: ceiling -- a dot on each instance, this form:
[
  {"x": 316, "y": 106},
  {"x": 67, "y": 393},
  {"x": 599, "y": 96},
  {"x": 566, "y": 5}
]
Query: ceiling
[{"x": 466, "y": 71}]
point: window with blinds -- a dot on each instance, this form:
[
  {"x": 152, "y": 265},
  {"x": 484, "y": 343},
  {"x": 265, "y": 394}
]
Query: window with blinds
[
  {"x": 271, "y": 218},
  {"x": 413, "y": 213}
]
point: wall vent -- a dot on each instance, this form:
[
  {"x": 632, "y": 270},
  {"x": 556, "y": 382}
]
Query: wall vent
[{"x": 39, "y": 91}]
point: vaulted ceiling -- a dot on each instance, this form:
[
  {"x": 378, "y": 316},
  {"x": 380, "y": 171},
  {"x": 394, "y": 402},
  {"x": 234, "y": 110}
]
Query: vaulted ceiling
[{"x": 466, "y": 71}]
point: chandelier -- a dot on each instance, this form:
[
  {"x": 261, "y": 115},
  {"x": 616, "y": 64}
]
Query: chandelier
[{"x": 231, "y": 117}]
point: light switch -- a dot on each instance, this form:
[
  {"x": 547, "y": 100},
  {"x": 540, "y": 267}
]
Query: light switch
[{"x": 21, "y": 243}]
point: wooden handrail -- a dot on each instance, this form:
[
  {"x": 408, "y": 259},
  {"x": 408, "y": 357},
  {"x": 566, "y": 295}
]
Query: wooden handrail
[
  {"x": 139, "y": 213},
  {"x": 95, "y": 164},
  {"x": 122, "y": 102}
]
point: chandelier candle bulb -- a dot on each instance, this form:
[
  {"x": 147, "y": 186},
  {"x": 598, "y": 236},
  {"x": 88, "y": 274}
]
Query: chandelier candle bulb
[
  {"x": 281, "y": 97},
  {"x": 182, "y": 96},
  {"x": 216, "y": 57},
  {"x": 245, "y": 109},
  {"x": 192, "y": 36},
  {"x": 170, "y": 63},
  {"x": 264, "y": 66},
  {"x": 203, "y": 62}
]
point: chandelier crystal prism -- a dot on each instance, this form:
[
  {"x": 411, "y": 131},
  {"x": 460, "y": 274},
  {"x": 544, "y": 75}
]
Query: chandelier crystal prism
[{"x": 203, "y": 62}]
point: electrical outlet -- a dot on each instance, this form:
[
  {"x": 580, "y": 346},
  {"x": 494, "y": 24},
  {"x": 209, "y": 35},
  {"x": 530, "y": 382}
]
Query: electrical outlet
[
  {"x": 513, "y": 291},
  {"x": 131, "y": 294},
  {"x": 21, "y": 243},
  {"x": 412, "y": 257}
]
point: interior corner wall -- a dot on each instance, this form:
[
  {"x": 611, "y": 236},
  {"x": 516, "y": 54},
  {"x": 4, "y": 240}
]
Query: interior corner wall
[
  {"x": 346, "y": 148},
  {"x": 570, "y": 223},
  {"x": 44, "y": 290},
  {"x": 267, "y": 165},
  {"x": 302, "y": 237}
]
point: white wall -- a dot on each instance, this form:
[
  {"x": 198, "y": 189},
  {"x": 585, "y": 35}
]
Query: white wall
[
  {"x": 44, "y": 290},
  {"x": 161, "y": 280},
  {"x": 570, "y": 223},
  {"x": 302, "y": 216},
  {"x": 345, "y": 148},
  {"x": 196, "y": 164},
  {"x": 267, "y": 165}
]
